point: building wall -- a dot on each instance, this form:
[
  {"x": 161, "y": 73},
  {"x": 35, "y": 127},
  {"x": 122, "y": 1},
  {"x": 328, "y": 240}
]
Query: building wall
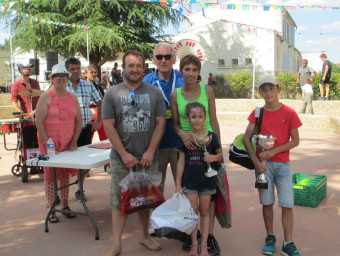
[{"x": 273, "y": 41}]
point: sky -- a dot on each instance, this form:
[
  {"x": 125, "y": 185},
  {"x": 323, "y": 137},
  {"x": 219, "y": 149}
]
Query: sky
[{"x": 317, "y": 30}]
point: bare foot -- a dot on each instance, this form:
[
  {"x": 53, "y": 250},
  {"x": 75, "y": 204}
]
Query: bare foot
[{"x": 112, "y": 252}]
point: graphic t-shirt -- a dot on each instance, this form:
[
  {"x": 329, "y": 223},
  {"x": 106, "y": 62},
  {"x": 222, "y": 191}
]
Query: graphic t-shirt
[
  {"x": 193, "y": 175},
  {"x": 135, "y": 116}
]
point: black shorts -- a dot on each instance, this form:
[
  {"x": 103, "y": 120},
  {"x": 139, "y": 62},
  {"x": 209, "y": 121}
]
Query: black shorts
[
  {"x": 326, "y": 80},
  {"x": 85, "y": 137}
]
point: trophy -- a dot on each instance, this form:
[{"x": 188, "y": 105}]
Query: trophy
[
  {"x": 266, "y": 142},
  {"x": 203, "y": 142}
]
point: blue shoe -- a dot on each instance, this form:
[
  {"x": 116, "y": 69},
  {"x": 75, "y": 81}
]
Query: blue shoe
[
  {"x": 269, "y": 245},
  {"x": 290, "y": 249}
]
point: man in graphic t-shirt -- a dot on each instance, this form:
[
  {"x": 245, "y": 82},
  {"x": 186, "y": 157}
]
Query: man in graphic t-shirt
[{"x": 134, "y": 121}]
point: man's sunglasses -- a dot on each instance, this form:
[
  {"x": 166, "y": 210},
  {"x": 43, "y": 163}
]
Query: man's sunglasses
[
  {"x": 132, "y": 98},
  {"x": 160, "y": 57}
]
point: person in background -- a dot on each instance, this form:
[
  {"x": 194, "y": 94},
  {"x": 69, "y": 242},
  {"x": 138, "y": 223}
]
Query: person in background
[
  {"x": 305, "y": 72},
  {"x": 199, "y": 79},
  {"x": 283, "y": 123},
  {"x": 146, "y": 70},
  {"x": 24, "y": 83},
  {"x": 115, "y": 74},
  {"x": 211, "y": 79},
  {"x": 325, "y": 77},
  {"x": 190, "y": 68},
  {"x": 307, "y": 97},
  {"x": 134, "y": 142},
  {"x": 86, "y": 93},
  {"x": 58, "y": 117},
  {"x": 91, "y": 75}
]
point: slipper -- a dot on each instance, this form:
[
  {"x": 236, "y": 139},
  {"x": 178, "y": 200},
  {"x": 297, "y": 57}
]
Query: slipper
[
  {"x": 151, "y": 244},
  {"x": 53, "y": 218},
  {"x": 68, "y": 215}
]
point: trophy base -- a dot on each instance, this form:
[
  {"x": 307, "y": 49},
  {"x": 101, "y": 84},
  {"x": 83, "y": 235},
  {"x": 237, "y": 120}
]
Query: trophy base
[
  {"x": 210, "y": 174},
  {"x": 262, "y": 185}
]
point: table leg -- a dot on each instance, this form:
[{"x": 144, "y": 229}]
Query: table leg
[
  {"x": 52, "y": 209},
  {"x": 85, "y": 206}
]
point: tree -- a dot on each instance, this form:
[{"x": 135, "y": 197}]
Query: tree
[
  {"x": 5, "y": 46},
  {"x": 113, "y": 27}
]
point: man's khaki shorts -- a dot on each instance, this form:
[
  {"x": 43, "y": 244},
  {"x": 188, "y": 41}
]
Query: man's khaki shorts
[{"x": 118, "y": 173}]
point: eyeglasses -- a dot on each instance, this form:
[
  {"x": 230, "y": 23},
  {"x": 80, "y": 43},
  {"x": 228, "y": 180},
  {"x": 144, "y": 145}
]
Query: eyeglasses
[
  {"x": 160, "y": 57},
  {"x": 132, "y": 98}
]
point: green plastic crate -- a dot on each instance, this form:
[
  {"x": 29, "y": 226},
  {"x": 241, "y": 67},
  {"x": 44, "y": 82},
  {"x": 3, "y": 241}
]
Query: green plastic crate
[{"x": 313, "y": 193}]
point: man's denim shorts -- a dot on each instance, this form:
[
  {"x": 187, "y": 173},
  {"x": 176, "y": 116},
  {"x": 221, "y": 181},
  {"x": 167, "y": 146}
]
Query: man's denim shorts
[
  {"x": 279, "y": 175},
  {"x": 118, "y": 173}
]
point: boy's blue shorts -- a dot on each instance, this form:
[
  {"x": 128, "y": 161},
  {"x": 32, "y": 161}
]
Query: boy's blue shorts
[{"x": 278, "y": 174}]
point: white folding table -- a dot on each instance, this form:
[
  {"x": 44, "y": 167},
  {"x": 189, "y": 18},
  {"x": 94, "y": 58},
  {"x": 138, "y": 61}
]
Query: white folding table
[{"x": 84, "y": 158}]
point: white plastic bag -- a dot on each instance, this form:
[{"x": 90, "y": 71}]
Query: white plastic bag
[{"x": 175, "y": 218}]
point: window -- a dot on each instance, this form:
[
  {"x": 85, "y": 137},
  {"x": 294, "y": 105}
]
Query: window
[
  {"x": 248, "y": 61},
  {"x": 234, "y": 62},
  {"x": 221, "y": 63}
]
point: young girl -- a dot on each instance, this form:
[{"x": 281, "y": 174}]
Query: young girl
[{"x": 191, "y": 166}]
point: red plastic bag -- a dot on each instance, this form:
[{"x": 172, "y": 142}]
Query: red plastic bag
[{"x": 139, "y": 193}]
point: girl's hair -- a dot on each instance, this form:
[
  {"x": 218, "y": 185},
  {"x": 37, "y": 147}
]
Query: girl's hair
[
  {"x": 190, "y": 59},
  {"x": 192, "y": 105}
]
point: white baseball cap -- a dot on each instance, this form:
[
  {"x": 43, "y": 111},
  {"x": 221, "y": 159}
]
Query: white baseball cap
[
  {"x": 60, "y": 69},
  {"x": 268, "y": 79}
]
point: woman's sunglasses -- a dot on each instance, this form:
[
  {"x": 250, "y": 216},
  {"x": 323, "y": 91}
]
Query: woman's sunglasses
[{"x": 160, "y": 57}]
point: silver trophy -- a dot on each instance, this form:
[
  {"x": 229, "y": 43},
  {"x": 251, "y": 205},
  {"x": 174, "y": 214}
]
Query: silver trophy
[
  {"x": 203, "y": 142},
  {"x": 265, "y": 142}
]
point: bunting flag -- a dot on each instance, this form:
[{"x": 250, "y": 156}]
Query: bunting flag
[
  {"x": 37, "y": 19},
  {"x": 208, "y": 3}
]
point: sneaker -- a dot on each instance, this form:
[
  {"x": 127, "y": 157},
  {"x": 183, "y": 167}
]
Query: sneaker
[
  {"x": 321, "y": 98},
  {"x": 213, "y": 247},
  {"x": 269, "y": 245},
  {"x": 325, "y": 98},
  {"x": 290, "y": 249},
  {"x": 187, "y": 244},
  {"x": 151, "y": 244},
  {"x": 77, "y": 194}
]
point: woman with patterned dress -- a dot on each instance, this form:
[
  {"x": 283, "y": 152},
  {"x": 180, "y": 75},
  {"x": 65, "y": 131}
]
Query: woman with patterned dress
[{"x": 58, "y": 117}]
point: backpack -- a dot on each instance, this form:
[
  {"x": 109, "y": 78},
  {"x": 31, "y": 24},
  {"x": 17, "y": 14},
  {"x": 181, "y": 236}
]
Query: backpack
[{"x": 237, "y": 151}]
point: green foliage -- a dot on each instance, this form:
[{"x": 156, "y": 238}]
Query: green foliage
[
  {"x": 221, "y": 88},
  {"x": 289, "y": 88},
  {"x": 241, "y": 85},
  {"x": 334, "y": 86},
  {"x": 335, "y": 68},
  {"x": 114, "y": 27}
]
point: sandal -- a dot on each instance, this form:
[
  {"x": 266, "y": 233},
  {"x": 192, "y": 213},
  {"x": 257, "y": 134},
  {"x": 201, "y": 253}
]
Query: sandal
[
  {"x": 204, "y": 254},
  {"x": 53, "y": 218},
  {"x": 68, "y": 215},
  {"x": 193, "y": 253}
]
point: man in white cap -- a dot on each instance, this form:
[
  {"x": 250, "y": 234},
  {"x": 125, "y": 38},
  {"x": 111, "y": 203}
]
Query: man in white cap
[{"x": 24, "y": 83}]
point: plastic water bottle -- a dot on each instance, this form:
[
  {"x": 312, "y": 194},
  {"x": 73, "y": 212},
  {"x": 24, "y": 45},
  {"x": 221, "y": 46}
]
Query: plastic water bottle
[{"x": 50, "y": 148}]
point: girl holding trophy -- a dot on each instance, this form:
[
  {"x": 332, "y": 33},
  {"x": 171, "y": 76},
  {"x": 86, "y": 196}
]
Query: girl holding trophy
[{"x": 192, "y": 174}]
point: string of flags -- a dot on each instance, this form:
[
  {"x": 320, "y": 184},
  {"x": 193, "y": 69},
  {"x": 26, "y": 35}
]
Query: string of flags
[
  {"x": 225, "y": 5},
  {"x": 45, "y": 21}
]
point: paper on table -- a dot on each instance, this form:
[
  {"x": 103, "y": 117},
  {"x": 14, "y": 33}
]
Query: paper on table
[{"x": 105, "y": 145}]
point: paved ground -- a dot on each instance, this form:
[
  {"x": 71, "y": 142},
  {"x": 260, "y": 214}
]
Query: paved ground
[{"x": 316, "y": 230}]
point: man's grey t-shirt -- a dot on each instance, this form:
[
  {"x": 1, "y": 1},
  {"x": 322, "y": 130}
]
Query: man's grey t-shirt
[
  {"x": 134, "y": 121},
  {"x": 305, "y": 73}
]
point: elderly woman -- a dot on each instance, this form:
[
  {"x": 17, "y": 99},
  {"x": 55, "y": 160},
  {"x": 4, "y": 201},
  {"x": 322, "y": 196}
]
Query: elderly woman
[{"x": 58, "y": 117}]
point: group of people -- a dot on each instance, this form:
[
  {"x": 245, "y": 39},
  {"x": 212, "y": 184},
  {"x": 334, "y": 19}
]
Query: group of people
[
  {"x": 178, "y": 111},
  {"x": 305, "y": 78}
]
